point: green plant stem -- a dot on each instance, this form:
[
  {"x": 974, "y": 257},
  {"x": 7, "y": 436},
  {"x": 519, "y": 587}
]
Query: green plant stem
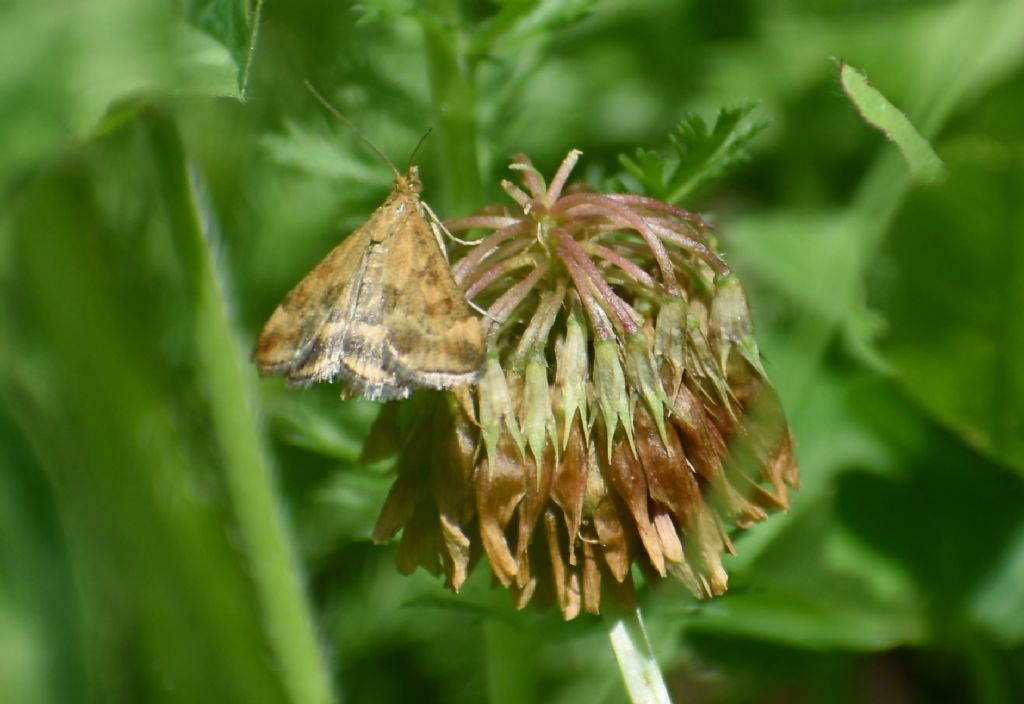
[
  {"x": 453, "y": 97},
  {"x": 247, "y": 470},
  {"x": 510, "y": 669},
  {"x": 633, "y": 652},
  {"x": 260, "y": 519}
]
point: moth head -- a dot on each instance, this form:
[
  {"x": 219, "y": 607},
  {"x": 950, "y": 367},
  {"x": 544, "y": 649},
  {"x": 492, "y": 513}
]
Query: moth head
[{"x": 411, "y": 180}]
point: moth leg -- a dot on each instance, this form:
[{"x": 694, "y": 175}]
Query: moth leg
[
  {"x": 438, "y": 227},
  {"x": 480, "y": 310}
]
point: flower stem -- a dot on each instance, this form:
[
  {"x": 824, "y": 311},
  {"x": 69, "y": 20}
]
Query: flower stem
[
  {"x": 453, "y": 97},
  {"x": 633, "y": 652},
  {"x": 454, "y": 101}
]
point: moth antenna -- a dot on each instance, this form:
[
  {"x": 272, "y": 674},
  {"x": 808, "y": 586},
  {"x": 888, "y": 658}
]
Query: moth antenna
[
  {"x": 347, "y": 122},
  {"x": 417, "y": 147}
]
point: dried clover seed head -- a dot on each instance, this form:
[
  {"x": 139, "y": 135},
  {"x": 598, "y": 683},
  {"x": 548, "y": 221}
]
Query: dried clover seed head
[{"x": 623, "y": 416}]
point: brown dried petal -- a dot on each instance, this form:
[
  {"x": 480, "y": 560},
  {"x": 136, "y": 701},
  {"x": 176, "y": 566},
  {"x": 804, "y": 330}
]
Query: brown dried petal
[
  {"x": 384, "y": 439},
  {"x": 706, "y": 542},
  {"x": 499, "y": 489},
  {"x": 592, "y": 579},
  {"x": 704, "y": 443},
  {"x": 706, "y": 450},
  {"x": 785, "y": 460},
  {"x": 774, "y": 442},
  {"x": 683, "y": 571},
  {"x": 670, "y": 478},
  {"x": 398, "y": 507},
  {"x": 457, "y": 553},
  {"x": 418, "y": 547},
  {"x": 625, "y": 473},
  {"x": 611, "y": 534},
  {"x": 453, "y": 465},
  {"x": 570, "y": 485},
  {"x": 566, "y": 578},
  {"x": 450, "y": 482},
  {"x": 530, "y": 509},
  {"x": 762, "y": 447},
  {"x": 668, "y": 534},
  {"x": 524, "y": 592}
]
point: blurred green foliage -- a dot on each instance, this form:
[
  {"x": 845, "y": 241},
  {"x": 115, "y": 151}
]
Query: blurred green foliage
[{"x": 164, "y": 180}]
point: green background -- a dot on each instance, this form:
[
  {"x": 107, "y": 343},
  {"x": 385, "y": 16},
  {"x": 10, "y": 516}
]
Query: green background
[{"x": 164, "y": 180}]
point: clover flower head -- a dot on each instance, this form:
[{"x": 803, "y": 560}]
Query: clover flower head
[{"x": 623, "y": 418}]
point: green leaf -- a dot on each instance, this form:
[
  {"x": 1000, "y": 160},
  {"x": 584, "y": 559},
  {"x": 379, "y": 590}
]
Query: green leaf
[
  {"x": 319, "y": 422},
  {"x": 696, "y": 154},
  {"x": 999, "y": 602},
  {"x": 63, "y": 66},
  {"x": 804, "y": 620},
  {"x": 381, "y": 10},
  {"x": 127, "y": 51},
  {"x": 225, "y": 20},
  {"x": 325, "y": 156},
  {"x": 520, "y": 22},
  {"x": 234, "y": 24},
  {"x": 955, "y": 302},
  {"x": 877, "y": 111}
]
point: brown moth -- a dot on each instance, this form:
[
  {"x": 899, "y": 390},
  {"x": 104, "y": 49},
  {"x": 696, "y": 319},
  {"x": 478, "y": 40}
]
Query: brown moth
[{"x": 381, "y": 311}]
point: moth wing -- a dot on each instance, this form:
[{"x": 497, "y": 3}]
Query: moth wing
[
  {"x": 332, "y": 323},
  {"x": 434, "y": 336},
  {"x": 289, "y": 340},
  {"x": 381, "y": 310}
]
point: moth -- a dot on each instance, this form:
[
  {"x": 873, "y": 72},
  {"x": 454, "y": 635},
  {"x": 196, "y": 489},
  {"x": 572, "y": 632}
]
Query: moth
[{"x": 381, "y": 310}]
